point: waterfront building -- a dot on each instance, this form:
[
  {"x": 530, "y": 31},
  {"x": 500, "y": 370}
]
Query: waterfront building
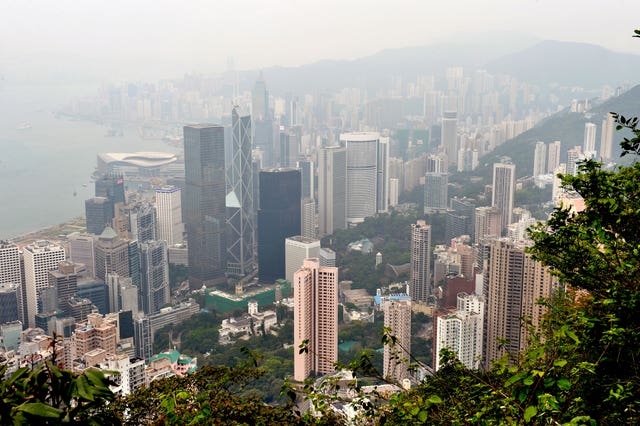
[{"x": 99, "y": 214}]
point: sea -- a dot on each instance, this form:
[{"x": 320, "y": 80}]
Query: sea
[{"x": 46, "y": 160}]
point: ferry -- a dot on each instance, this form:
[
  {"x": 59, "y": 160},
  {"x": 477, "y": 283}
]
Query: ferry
[{"x": 24, "y": 126}]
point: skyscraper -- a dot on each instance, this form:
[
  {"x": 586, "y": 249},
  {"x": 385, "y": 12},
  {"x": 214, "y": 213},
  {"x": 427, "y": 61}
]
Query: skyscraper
[
  {"x": 278, "y": 218},
  {"x": 65, "y": 280},
  {"x": 397, "y": 317},
  {"x": 308, "y": 218},
  {"x": 9, "y": 303},
  {"x": 260, "y": 100},
  {"x": 169, "y": 210},
  {"x": 420, "y": 273},
  {"x": 154, "y": 276},
  {"x": 315, "y": 319},
  {"x": 449, "y": 135},
  {"x": 513, "y": 285},
  {"x": 589, "y": 142},
  {"x": 39, "y": 258},
  {"x": 554, "y": 156},
  {"x": 296, "y": 249},
  {"x": 606, "y": 139},
  {"x": 504, "y": 188},
  {"x": 461, "y": 331},
  {"x": 142, "y": 222},
  {"x": 205, "y": 212},
  {"x": 112, "y": 255},
  {"x": 362, "y": 174},
  {"x": 99, "y": 214},
  {"x": 111, "y": 187},
  {"x": 332, "y": 189},
  {"x": 436, "y": 186},
  {"x": 488, "y": 223},
  {"x": 539, "y": 159},
  {"x": 574, "y": 156},
  {"x": 11, "y": 273},
  {"x": 308, "y": 179},
  {"x": 81, "y": 250},
  {"x": 382, "y": 195},
  {"x": 239, "y": 201}
]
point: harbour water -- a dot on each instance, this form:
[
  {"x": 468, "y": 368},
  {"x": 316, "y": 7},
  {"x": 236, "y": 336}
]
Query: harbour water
[{"x": 46, "y": 162}]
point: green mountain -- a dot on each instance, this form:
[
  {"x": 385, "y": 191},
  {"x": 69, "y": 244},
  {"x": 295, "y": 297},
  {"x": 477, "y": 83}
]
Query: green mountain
[{"x": 565, "y": 126}]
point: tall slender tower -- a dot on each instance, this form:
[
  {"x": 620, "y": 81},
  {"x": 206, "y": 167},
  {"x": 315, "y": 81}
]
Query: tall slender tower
[
  {"x": 382, "y": 195},
  {"x": 169, "y": 209},
  {"x": 513, "y": 285},
  {"x": 240, "y": 211},
  {"x": 315, "y": 319},
  {"x": 606, "y": 139},
  {"x": 154, "y": 276},
  {"x": 449, "y": 136},
  {"x": 205, "y": 212},
  {"x": 278, "y": 218},
  {"x": 420, "y": 274},
  {"x": 297, "y": 249},
  {"x": 362, "y": 174},
  {"x": 554, "y": 156},
  {"x": 11, "y": 273},
  {"x": 589, "y": 143},
  {"x": 39, "y": 258},
  {"x": 397, "y": 317},
  {"x": 332, "y": 189},
  {"x": 539, "y": 159},
  {"x": 504, "y": 188}
]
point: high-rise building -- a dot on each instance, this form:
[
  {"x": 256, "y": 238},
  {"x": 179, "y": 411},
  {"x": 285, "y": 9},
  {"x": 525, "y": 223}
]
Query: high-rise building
[
  {"x": 589, "y": 142},
  {"x": 554, "y": 156},
  {"x": 461, "y": 331},
  {"x": 154, "y": 276},
  {"x": 382, "y": 195},
  {"x": 9, "y": 302},
  {"x": 278, "y": 218},
  {"x": 420, "y": 273},
  {"x": 327, "y": 257},
  {"x": 539, "y": 159},
  {"x": 362, "y": 174},
  {"x": 142, "y": 222},
  {"x": 39, "y": 258},
  {"x": 169, "y": 210},
  {"x": 315, "y": 319},
  {"x": 111, "y": 186},
  {"x": 332, "y": 189},
  {"x": 112, "y": 255},
  {"x": 436, "y": 186},
  {"x": 512, "y": 286},
  {"x": 574, "y": 156},
  {"x": 397, "y": 356},
  {"x": 205, "y": 212},
  {"x": 504, "y": 189},
  {"x": 65, "y": 280},
  {"x": 11, "y": 273},
  {"x": 488, "y": 223},
  {"x": 260, "y": 100},
  {"x": 606, "y": 139},
  {"x": 99, "y": 214},
  {"x": 81, "y": 250},
  {"x": 296, "y": 250},
  {"x": 460, "y": 218},
  {"x": 309, "y": 218},
  {"x": 239, "y": 201},
  {"x": 308, "y": 178},
  {"x": 394, "y": 191},
  {"x": 449, "y": 135}
]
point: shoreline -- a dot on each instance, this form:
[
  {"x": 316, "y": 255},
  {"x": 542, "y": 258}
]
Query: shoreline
[{"x": 53, "y": 232}]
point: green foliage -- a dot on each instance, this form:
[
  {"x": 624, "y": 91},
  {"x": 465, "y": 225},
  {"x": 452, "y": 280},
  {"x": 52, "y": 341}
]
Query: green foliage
[{"x": 50, "y": 395}]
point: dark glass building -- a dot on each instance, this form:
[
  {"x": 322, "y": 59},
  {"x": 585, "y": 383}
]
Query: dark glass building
[
  {"x": 111, "y": 187},
  {"x": 9, "y": 303},
  {"x": 93, "y": 290},
  {"x": 204, "y": 208},
  {"x": 99, "y": 213},
  {"x": 278, "y": 219}
]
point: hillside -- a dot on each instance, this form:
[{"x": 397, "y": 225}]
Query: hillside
[{"x": 564, "y": 126}]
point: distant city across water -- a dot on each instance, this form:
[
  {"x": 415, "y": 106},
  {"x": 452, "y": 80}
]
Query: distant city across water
[{"x": 46, "y": 162}]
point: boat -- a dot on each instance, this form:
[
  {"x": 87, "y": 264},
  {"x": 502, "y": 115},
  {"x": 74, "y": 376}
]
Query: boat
[{"x": 24, "y": 126}]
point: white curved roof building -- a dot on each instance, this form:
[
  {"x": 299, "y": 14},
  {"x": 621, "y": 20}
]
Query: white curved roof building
[{"x": 136, "y": 163}]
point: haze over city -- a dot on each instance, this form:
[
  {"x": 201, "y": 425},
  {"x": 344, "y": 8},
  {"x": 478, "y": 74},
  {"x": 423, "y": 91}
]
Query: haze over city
[{"x": 253, "y": 212}]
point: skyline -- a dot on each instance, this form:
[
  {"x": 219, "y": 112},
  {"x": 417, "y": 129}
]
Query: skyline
[{"x": 89, "y": 42}]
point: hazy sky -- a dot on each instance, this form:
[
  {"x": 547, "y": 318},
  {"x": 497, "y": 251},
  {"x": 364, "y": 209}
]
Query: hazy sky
[{"x": 153, "y": 38}]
